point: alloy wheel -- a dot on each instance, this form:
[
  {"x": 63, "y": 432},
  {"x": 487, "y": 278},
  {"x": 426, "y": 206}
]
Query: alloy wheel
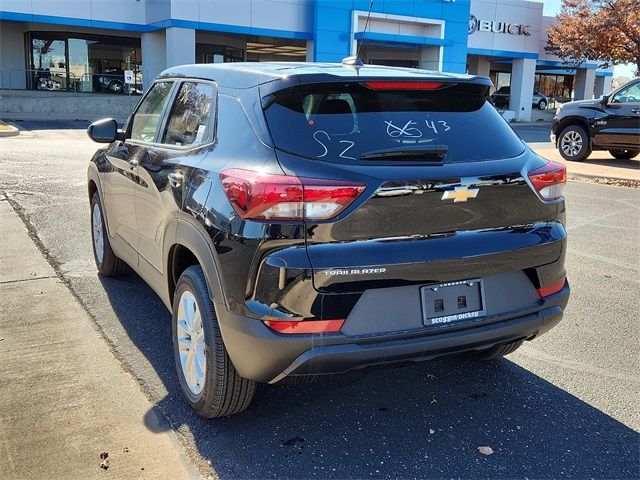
[
  {"x": 571, "y": 143},
  {"x": 116, "y": 87},
  {"x": 98, "y": 238},
  {"x": 191, "y": 344}
]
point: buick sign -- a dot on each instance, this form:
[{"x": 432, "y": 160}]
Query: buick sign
[
  {"x": 492, "y": 26},
  {"x": 473, "y": 24}
]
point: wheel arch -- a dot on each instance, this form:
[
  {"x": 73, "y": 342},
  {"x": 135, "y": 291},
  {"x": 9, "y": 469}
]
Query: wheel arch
[
  {"x": 93, "y": 180},
  {"x": 94, "y": 186},
  {"x": 568, "y": 121},
  {"x": 180, "y": 258},
  {"x": 191, "y": 239},
  {"x": 189, "y": 246}
]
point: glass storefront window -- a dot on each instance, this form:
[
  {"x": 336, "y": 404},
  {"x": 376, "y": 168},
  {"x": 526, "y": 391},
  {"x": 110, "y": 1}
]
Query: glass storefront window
[
  {"x": 48, "y": 64},
  {"x": 556, "y": 87},
  {"x": 84, "y": 63},
  {"x": 499, "y": 79},
  {"x": 218, "y": 54},
  {"x": 116, "y": 58},
  {"x": 80, "y": 63}
]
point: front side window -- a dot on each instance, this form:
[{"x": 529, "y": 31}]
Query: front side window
[
  {"x": 147, "y": 118},
  {"x": 189, "y": 121},
  {"x": 628, "y": 94}
]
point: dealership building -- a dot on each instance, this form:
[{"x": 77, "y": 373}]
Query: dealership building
[{"x": 88, "y": 45}]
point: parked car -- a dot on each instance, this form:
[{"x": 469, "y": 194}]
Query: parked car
[
  {"x": 111, "y": 81},
  {"x": 502, "y": 96},
  {"x": 43, "y": 79},
  {"x": 307, "y": 219},
  {"x": 609, "y": 123}
]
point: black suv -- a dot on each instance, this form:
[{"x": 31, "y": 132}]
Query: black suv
[
  {"x": 307, "y": 219},
  {"x": 608, "y": 123}
]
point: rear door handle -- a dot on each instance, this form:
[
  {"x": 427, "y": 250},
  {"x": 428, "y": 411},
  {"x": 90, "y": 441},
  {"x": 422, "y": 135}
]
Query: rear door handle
[
  {"x": 635, "y": 110},
  {"x": 175, "y": 179}
]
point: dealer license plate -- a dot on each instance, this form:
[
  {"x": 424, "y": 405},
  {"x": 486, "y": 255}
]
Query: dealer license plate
[{"x": 452, "y": 302}]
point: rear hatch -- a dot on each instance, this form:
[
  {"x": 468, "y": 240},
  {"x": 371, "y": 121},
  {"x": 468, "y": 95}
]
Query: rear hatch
[{"x": 446, "y": 194}]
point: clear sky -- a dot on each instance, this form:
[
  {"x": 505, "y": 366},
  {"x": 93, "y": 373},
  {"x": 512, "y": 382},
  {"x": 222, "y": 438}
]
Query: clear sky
[{"x": 552, "y": 7}]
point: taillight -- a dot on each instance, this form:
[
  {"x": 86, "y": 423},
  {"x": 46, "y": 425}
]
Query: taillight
[
  {"x": 552, "y": 288},
  {"x": 549, "y": 180},
  {"x": 305, "y": 326},
  {"x": 385, "y": 85},
  {"x": 264, "y": 196}
]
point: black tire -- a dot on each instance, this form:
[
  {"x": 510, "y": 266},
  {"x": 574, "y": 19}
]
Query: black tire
[
  {"x": 497, "y": 351},
  {"x": 542, "y": 104},
  {"x": 110, "y": 265},
  {"x": 624, "y": 154},
  {"x": 116, "y": 86},
  {"x": 223, "y": 392},
  {"x": 574, "y": 152}
]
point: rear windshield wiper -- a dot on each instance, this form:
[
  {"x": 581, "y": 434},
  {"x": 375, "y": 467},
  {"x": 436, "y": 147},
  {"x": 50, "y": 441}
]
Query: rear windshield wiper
[{"x": 429, "y": 153}]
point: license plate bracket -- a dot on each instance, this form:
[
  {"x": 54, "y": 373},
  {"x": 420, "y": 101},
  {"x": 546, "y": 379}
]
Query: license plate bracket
[{"x": 452, "y": 302}]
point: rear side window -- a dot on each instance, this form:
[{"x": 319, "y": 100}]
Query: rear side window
[
  {"x": 147, "y": 118},
  {"x": 348, "y": 122},
  {"x": 190, "y": 118}
]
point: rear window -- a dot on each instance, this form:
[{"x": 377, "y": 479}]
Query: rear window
[
  {"x": 347, "y": 122},
  {"x": 189, "y": 121}
]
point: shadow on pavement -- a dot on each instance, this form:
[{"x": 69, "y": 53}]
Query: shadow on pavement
[
  {"x": 606, "y": 160},
  {"x": 378, "y": 423},
  {"x": 35, "y": 125}
]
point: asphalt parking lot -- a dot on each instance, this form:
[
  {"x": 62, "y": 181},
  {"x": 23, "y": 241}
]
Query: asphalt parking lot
[{"x": 565, "y": 405}]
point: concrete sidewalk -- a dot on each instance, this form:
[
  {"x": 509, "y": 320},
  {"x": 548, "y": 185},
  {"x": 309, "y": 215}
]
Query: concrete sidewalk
[
  {"x": 8, "y": 130},
  {"x": 64, "y": 397}
]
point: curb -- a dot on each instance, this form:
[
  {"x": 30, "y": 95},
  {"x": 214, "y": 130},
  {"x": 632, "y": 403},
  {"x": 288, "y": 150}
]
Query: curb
[
  {"x": 55, "y": 117},
  {"x": 605, "y": 180},
  {"x": 8, "y": 130},
  {"x": 539, "y": 123}
]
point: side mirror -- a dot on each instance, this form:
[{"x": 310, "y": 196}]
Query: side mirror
[
  {"x": 605, "y": 99},
  {"x": 105, "y": 131}
]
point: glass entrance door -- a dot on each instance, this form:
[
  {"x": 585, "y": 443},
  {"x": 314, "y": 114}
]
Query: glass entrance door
[{"x": 49, "y": 67}]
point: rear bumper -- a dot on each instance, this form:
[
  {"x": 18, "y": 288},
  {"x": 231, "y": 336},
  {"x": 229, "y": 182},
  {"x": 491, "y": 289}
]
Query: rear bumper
[
  {"x": 262, "y": 355},
  {"x": 342, "y": 358}
]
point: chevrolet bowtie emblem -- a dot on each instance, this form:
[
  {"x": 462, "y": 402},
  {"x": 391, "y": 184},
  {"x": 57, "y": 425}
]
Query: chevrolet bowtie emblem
[{"x": 460, "y": 194}]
